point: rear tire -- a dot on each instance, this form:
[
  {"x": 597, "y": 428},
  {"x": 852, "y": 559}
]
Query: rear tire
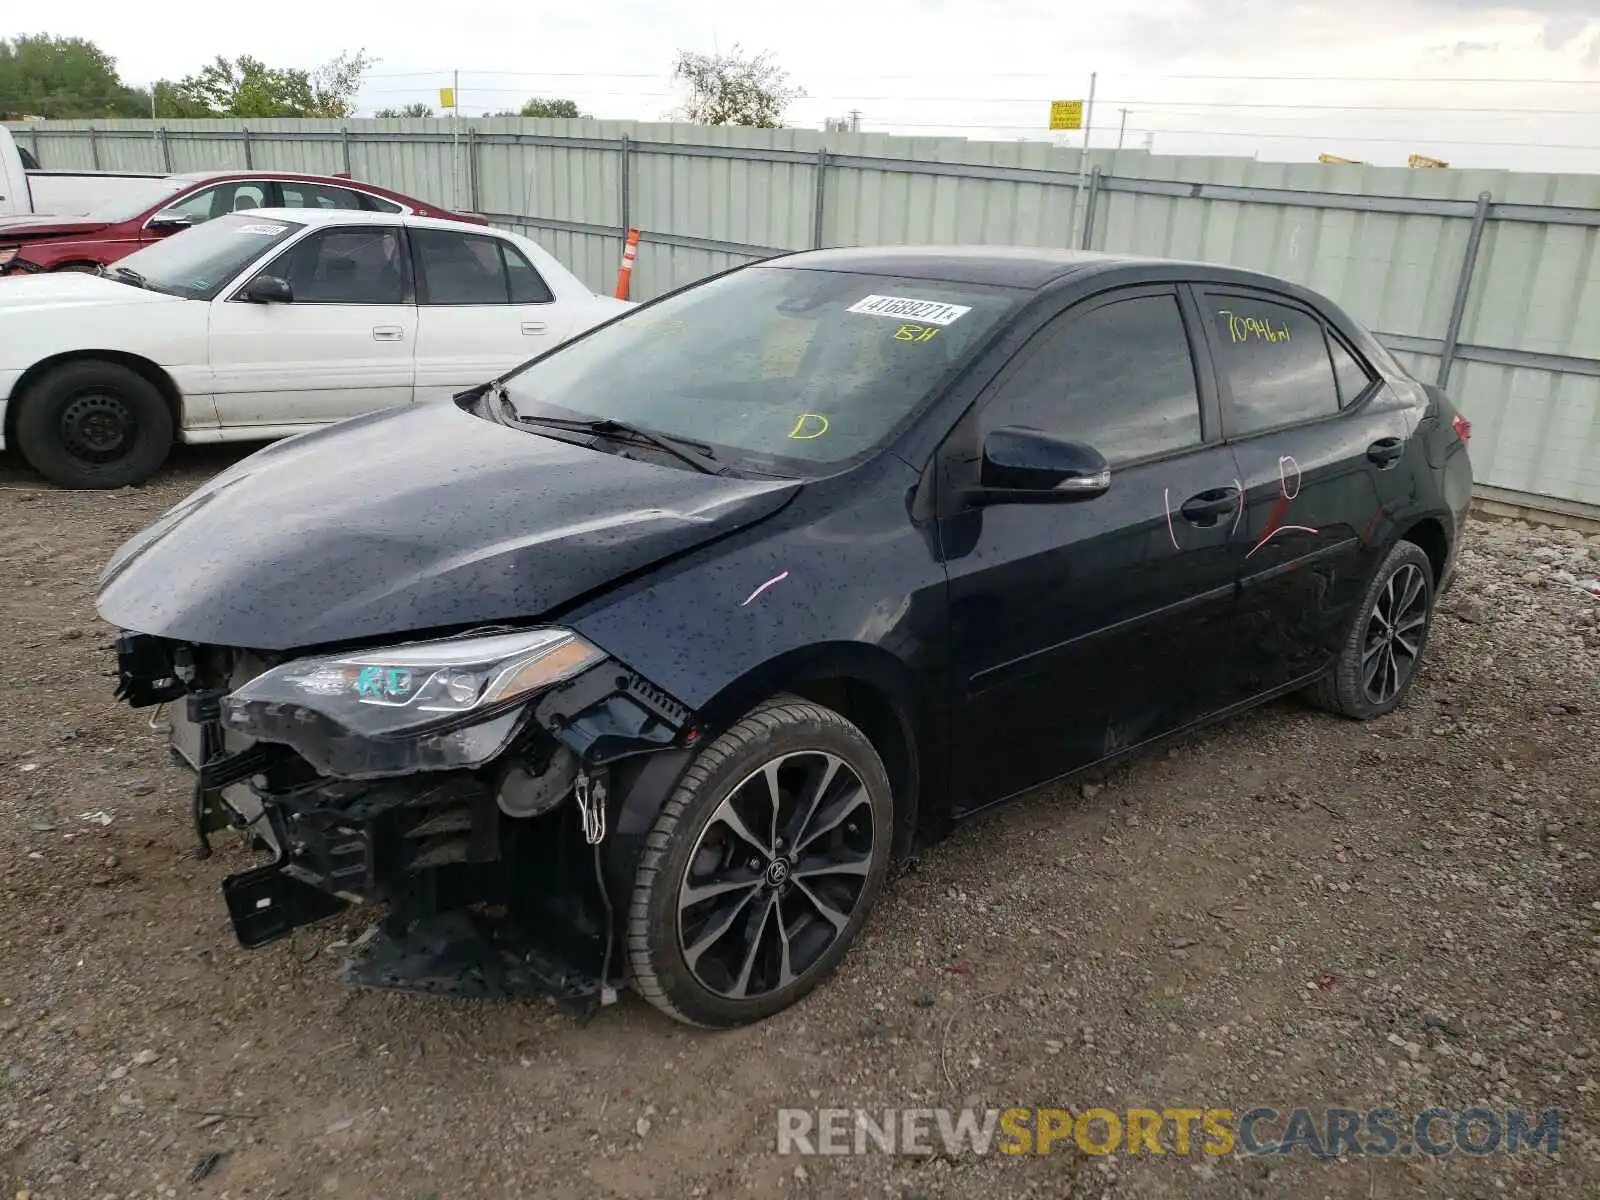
[
  {"x": 94, "y": 424},
  {"x": 740, "y": 906},
  {"x": 1381, "y": 653}
]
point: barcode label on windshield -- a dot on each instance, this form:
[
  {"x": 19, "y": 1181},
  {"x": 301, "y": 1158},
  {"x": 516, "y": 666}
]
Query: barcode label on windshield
[{"x": 903, "y": 308}]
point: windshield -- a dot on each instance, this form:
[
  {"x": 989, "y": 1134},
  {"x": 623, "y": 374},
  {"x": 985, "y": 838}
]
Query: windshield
[
  {"x": 134, "y": 196},
  {"x": 788, "y": 370},
  {"x": 198, "y": 262}
]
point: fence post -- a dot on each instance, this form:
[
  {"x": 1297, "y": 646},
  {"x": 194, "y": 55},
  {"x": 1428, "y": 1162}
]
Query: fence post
[
  {"x": 1088, "y": 212},
  {"x": 1458, "y": 310},
  {"x": 249, "y": 158},
  {"x": 821, "y": 198},
  {"x": 472, "y": 168},
  {"x": 166, "y": 150},
  {"x": 344, "y": 138},
  {"x": 625, "y": 182},
  {"x": 33, "y": 136},
  {"x": 94, "y": 148}
]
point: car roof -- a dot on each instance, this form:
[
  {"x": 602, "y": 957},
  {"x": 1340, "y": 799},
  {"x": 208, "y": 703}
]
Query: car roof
[
  {"x": 201, "y": 176},
  {"x": 1028, "y": 267},
  {"x": 361, "y": 216}
]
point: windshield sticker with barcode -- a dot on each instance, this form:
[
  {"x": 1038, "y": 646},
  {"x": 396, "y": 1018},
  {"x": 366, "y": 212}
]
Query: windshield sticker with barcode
[
  {"x": 264, "y": 230},
  {"x": 931, "y": 312}
]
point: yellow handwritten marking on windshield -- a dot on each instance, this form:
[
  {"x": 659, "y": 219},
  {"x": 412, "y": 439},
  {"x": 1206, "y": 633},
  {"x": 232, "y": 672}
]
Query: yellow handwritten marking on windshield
[
  {"x": 1243, "y": 329},
  {"x": 801, "y": 424},
  {"x": 915, "y": 333}
]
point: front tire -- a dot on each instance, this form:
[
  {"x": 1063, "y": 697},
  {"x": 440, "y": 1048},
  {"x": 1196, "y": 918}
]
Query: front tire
[
  {"x": 1384, "y": 647},
  {"x": 94, "y": 424},
  {"x": 761, "y": 867}
]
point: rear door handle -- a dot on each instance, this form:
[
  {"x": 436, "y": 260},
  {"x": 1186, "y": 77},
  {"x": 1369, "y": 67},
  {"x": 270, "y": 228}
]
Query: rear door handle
[
  {"x": 388, "y": 333},
  {"x": 1386, "y": 451},
  {"x": 1206, "y": 508},
  {"x": 533, "y": 328}
]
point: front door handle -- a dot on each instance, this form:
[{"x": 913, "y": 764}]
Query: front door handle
[
  {"x": 1206, "y": 508},
  {"x": 1385, "y": 452},
  {"x": 388, "y": 333},
  {"x": 533, "y": 328}
]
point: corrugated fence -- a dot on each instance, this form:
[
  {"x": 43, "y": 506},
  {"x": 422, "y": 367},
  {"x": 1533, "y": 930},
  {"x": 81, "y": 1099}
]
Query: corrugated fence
[{"x": 1488, "y": 280}]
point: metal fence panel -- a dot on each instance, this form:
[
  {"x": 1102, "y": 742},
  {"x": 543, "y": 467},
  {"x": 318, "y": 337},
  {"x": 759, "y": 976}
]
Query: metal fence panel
[{"x": 1387, "y": 243}]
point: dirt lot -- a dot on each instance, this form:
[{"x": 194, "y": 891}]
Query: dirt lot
[{"x": 1288, "y": 910}]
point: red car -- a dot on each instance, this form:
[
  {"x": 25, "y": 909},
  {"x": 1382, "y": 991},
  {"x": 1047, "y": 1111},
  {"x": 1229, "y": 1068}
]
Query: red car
[{"x": 155, "y": 208}]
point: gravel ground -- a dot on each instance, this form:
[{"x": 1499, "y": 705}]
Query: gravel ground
[{"x": 1288, "y": 910}]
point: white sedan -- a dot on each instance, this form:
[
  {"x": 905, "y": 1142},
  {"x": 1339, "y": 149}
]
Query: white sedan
[{"x": 264, "y": 324}]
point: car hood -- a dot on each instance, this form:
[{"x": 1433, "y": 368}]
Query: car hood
[
  {"x": 21, "y": 228},
  {"x": 410, "y": 520},
  {"x": 54, "y": 291}
]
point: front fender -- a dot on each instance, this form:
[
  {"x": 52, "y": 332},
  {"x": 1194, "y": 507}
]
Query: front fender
[{"x": 840, "y": 586}]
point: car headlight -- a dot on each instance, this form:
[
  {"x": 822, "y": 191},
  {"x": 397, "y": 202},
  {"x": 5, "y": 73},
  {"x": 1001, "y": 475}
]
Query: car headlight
[{"x": 410, "y": 707}]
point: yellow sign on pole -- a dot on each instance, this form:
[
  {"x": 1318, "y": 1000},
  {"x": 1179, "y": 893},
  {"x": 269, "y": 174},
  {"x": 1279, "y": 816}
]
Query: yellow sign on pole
[
  {"x": 1066, "y": 114},
  {"x": 447, "y": 97}
]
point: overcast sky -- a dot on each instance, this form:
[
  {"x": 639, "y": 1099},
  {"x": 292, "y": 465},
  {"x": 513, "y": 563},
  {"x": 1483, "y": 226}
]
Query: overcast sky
[{"x": 980, "y": 68}]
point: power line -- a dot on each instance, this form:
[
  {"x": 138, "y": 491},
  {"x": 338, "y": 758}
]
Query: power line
[
  {"x": 992, "y": 75},
  {"x": 1143, "y": 103},
  {"x": 1299, "y": 137}
]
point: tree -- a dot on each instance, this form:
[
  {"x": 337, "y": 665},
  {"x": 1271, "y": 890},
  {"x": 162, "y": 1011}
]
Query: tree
[
  {"x": 247, "y": 87},
  {"x": 734, "y": 88},
  {"x": 44, "y": 76},
  {"x": 540, "y": 107},
  {"x": 418, "y": 109}
]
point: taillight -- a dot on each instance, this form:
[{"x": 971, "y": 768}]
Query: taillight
[{"x": 1463, "y": 429}]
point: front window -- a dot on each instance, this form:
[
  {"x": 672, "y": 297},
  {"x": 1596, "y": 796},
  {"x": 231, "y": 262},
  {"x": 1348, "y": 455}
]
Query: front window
[
  {"x": 209, "y": 203},
  {"x": 785, "y": 370},
  {"x": 199, "y": 262}
]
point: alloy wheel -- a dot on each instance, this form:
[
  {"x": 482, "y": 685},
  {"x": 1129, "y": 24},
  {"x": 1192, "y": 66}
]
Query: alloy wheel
[
  {"x": 1392, "y": 642},
  {"x": 776, "y": 874}
]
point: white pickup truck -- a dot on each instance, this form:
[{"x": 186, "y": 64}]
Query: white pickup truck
[{"x": 25, "y": 189}]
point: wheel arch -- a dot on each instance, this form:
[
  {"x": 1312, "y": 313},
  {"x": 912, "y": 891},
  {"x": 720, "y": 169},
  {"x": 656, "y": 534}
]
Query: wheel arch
[
  {"x": 870, "y": 688},
  {"x": 152, "y": 372},
  {"x": 1429, "y": 533}
]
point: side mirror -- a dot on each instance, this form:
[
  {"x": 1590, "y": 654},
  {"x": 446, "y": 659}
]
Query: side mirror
[
  {"x": 169, "y": 220},
  {"x": 268, "y": 289},
  {"x": 1029, "y": 466}
]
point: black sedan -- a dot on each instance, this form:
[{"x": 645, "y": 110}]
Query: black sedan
[{"x": 642, "y": 663}]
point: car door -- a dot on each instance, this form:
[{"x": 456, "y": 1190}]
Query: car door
[
  {"x": 1080, "y": 629},
  {"x": 340, "y": 347},
  {"x": 1314, "y": 472},
  {"x": 482, "y": 309}
]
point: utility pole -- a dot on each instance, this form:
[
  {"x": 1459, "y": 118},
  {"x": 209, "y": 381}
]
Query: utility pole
[
  {"x": 855, "y": 120},
  {"x": 1123, "y": 127},
  {"x": 1083, "y": 159},
  {"x": 455, "y": 135},
  {"x": 1149, "y": 142}
]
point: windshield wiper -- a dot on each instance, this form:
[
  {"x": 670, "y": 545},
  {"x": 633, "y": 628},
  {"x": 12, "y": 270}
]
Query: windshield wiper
[
  {"x": 696, "y": 454},
  {"x": 128, "y": 275}
]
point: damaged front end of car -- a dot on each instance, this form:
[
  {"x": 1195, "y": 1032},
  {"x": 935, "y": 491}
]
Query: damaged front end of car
[{"x": 470, "y": 788}]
